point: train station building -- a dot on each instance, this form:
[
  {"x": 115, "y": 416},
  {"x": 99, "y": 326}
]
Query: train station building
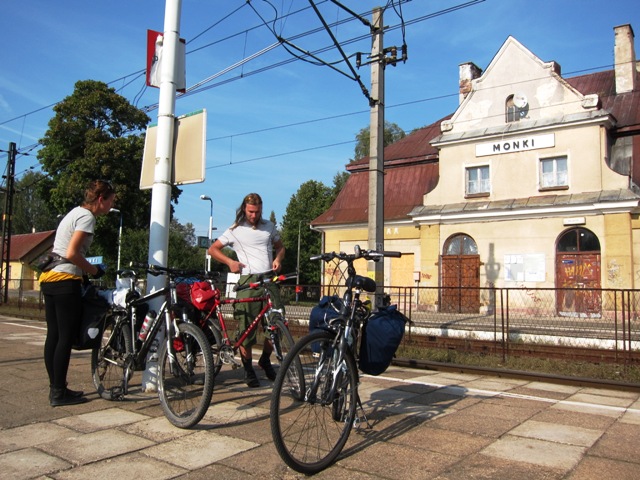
[{"x": 532, "y": 182}]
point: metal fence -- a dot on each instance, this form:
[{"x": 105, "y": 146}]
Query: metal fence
[{"x": 597, "y": 320}]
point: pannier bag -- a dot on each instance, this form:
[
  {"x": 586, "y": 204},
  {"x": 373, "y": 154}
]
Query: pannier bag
[
  {"x": 381, "y": 337},
  {"x": 94, "y": 309},
  {"x": 327, "y": 309},
  {"x": 198, "y": 294}
]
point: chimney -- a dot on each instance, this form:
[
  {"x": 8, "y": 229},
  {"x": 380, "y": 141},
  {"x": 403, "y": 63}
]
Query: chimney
[
  {"x": 625, "y": 59},
  {"x": 468, "y": 72}
]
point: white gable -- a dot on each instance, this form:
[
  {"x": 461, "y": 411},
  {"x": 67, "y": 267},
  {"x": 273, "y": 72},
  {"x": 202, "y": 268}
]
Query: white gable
[{"x": 516, "y": 71}]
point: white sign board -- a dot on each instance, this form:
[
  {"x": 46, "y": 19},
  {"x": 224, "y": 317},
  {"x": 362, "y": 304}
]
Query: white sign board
[
  {"x": 520, "y": 144},
  {"x": 189, "y": 151}
]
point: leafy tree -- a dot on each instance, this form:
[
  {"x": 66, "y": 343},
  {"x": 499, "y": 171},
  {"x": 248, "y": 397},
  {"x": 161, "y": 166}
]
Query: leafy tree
[
  {"x": 96, "y": 133},
  {"x": 183, "y": 251},
  {"x": 392, "y": 133},
  {"x": 311, "y": 199},
  {"x": 31, "y": 212}
]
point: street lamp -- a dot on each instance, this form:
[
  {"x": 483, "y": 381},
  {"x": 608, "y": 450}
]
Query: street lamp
[
  {"x": 208, "y": 257},
  {"x": 115, "y": 210}
]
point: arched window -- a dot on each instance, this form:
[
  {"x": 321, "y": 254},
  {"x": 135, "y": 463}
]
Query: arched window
[
  {"x": 578, "y": 240},
  {"x": 461, "y": 244},
  {"x": 516, "y": 108}
]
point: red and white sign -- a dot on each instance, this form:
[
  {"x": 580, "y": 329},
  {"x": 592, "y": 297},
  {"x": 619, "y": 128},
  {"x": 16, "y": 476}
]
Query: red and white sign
[{"x": 154, "y": 61}]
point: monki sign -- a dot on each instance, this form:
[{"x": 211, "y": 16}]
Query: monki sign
[{"x": 520, "y": 144}]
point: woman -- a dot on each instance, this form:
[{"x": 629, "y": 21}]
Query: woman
[{"x": 61, "y": 285}]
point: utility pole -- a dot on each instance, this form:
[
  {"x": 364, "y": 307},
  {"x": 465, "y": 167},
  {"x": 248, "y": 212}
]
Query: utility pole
[
  {"x": 376, "y": 153},
  {"x": 6, "y": 224},
  {"x": 161, "y": 190}
]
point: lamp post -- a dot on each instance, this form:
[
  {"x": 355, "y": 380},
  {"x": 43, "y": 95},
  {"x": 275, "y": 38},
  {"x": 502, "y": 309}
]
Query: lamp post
[
  {"x": 298, "y": 264},
  {"x": 115, "y": 210},
  {"x": 208, "y": 257}
]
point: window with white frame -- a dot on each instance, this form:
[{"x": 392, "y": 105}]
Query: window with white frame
[
  {"x": 477, "y": 180},
  {"x": 553, "y": 172}
]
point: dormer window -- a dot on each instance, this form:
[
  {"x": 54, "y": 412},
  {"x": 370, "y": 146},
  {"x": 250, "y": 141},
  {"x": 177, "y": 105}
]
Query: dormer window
[{"x": 516, "y": 107}]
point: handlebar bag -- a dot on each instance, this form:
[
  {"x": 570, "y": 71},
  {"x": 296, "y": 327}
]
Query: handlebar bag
[{"x": 381, "y": 337}]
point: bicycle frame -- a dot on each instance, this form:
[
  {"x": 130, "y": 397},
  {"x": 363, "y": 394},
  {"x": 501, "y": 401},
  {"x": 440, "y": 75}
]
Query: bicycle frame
[{"x": 216, "y": 312}]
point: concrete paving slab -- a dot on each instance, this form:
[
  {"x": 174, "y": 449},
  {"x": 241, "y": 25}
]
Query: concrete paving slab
[
  {"x": 442, "y": 441},
  {"x": 482, "y": 467},
  {"x": 93, "y": 421},
  {"x": 554, "y": 387},
  {"x": 582, "y": 437},
  {"x": 90, "y": 447},
  {"x": 573, "y": 418},
  {"x": 601, "y": 399},
  {"x": 538, "y": 452},
  {"x": 199, "y": 450},
  {"x": 605, "y": 392},
  {"x": 158, "y": 430},
  {"x": 494, "y": 384},
  {"x": 32, "y": 436},
  {"x": 589, "y": 408},
  {"x": 409, "y": 462},
  {"x": 29, "y": 463},
  {"x": 134, "y": 466},
  {"x": 231, "y": 412},
  {"x": 631, "y": 416},
  {"x": 620, "y": 442},
  {"x": 595, "y": 468}
]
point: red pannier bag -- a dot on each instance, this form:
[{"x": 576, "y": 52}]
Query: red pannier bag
[{"x": 203, "y": 297}]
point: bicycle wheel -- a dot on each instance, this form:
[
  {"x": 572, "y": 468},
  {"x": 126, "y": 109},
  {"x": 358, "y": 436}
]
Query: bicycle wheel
[
  {"x": 108, "y": 360},
  {"x": 214, "y": 336},
  {"x": 310, "y": 430},
  {"x": 280, "y": 337},
  {"x": 185, "y": 385}
]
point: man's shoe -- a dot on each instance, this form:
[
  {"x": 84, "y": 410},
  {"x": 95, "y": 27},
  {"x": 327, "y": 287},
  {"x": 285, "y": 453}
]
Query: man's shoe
[
  {"x": 251, "y": 378},
  {"x": 265, "y": 364}
]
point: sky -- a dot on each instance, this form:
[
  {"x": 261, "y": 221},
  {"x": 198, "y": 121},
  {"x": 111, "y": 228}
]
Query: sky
[{"x": 275, "y": 121}]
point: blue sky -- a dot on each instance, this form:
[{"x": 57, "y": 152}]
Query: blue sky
[{"x": 269, "y": 132}]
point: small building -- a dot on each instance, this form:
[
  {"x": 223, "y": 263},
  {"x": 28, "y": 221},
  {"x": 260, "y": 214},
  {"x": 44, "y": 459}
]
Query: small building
[
  {"x": 532, "y": 182},
  {"x": 24, "y": 249}
]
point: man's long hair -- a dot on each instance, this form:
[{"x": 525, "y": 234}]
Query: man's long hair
[{"x": 241, "y": 216}]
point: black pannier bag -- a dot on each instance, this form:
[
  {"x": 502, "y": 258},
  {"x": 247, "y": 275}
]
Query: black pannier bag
[
  {"x": 94, "y": 310},
  {"x": 327, "y": 309},
  {"x": 381, "y": 337}
]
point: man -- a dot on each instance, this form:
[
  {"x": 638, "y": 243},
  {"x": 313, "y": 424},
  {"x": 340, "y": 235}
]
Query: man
[{"x": 254, "y": 241}]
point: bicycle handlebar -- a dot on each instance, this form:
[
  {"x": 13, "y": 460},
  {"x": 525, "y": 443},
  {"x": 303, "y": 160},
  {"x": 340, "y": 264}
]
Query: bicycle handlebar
[
  {"x": 156, "y": 270},
  {"x": 266, "y": 279},
  {"x": 374, "y": 255}
]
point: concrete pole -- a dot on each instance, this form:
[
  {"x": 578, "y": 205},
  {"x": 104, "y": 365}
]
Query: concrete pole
[
  {"x": 161, "y": 190},
  {"x": 376, "y": 154}
]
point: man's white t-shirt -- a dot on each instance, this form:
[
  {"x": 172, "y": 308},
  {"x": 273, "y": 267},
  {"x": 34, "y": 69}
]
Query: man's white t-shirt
[{"x": 254, "y": 246}]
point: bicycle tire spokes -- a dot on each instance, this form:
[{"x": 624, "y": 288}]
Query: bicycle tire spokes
[
  {"x": 309, "y": 432},
  {"x": 185, "y": 376}
]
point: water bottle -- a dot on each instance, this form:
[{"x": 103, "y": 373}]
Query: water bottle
[{"x": 148, "y": 321}]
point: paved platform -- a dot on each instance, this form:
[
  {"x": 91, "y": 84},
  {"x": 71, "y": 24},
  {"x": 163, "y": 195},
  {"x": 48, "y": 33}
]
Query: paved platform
[{"x": 425, "y": 425}]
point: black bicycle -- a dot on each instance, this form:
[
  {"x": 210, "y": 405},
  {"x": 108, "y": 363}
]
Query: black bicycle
[
  {"x": 185, "y": 361},
  {"x": 315, "y": 395}
]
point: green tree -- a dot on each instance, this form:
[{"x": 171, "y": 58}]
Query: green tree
[
  {"x": 31, "y": 212},
  {"x": 392, "y": 133},
  {"x": 96, "y": 133},
  {"x": 311, "y": 199},
  {"x": 183, "y": 250}
]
